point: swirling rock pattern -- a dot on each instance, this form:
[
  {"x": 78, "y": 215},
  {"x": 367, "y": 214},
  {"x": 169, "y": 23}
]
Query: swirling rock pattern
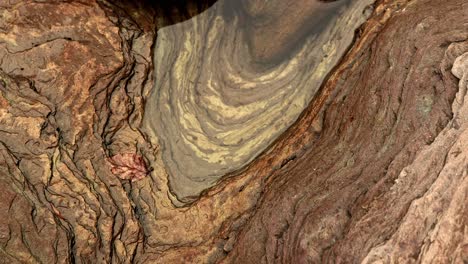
[
  {"x": 386, "y": 181},
  {"x": 218, "y": 99},
  {"x": 374, "y": 170}
]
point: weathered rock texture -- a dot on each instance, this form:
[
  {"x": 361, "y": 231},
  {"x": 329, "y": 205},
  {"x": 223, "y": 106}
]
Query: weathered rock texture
[
  {"x": 213, "y": 109},
  {"x": 374, "y": 169}
]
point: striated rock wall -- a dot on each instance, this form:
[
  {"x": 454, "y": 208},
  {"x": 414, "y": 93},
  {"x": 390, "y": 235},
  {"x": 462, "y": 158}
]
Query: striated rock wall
[{"x": 374, "y": 168}]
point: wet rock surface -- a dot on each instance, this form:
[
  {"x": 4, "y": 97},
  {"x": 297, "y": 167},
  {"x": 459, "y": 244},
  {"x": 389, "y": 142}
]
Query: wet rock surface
[{"x": 373, "y": 170}]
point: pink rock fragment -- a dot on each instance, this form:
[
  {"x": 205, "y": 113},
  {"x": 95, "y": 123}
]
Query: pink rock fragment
[{"x": 128, "y": 166}]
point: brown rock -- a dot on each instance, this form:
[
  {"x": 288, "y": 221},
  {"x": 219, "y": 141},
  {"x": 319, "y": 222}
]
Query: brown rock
[{"x": 373, "y": 170}]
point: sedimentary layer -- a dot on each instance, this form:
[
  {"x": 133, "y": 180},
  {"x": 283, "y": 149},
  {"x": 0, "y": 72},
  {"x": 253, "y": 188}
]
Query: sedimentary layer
[
  {"x": 216, "y": 104},
  {"x": 373, "y": 170}
]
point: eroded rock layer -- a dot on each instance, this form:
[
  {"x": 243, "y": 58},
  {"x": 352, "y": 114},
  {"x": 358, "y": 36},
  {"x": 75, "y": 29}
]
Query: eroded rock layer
[
  {"x": 217, "y": 104},
  {"x": 373, "y": 171},
  {"x": 384, "y": 178}
]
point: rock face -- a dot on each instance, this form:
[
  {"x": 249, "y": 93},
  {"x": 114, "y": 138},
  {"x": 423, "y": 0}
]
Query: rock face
[
  {"x": 365, "y": 164},
  {"x": 213, "y": 108}
]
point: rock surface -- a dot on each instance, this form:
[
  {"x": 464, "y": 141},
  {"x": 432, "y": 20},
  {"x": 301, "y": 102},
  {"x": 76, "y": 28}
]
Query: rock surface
[
  {"x": 374, "y": 169},
  {"x": 214, "y": 109}
]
